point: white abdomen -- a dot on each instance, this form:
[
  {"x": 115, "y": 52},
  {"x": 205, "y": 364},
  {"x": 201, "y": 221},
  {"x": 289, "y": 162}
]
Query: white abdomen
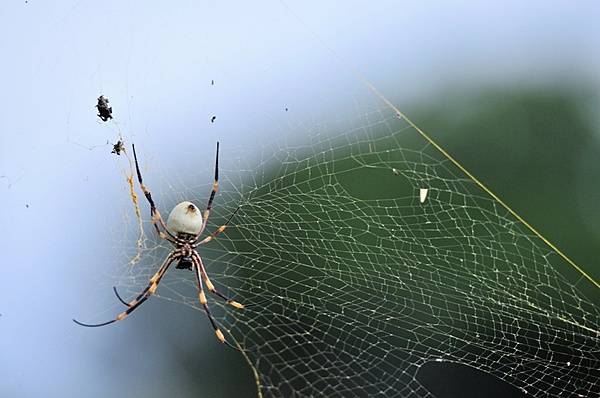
[{"x": 185, "y": 218}]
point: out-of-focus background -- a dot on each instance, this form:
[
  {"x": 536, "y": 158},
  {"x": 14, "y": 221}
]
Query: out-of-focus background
[{"x": 510, "y": 89}]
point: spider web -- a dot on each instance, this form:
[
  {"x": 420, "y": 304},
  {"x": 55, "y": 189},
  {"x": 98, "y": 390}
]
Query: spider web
[{"x": 362, "y": 284}]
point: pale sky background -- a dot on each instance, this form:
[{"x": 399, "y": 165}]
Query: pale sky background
[{"x": 62, "y": 203}]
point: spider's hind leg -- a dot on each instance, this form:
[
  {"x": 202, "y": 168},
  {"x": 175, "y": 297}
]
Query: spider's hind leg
[
  {"x": 211, "y": 287},
  {"x": 204, "y": 303},
  {"x": 141, "y": 298},
  {"x": 119, "y": 297}
]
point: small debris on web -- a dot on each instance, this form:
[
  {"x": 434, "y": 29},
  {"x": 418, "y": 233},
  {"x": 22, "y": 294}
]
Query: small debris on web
[
  {"x": 396, "y": 171},
  {"x": 104, "y": 111},
  {"x": 423, "y": 194},
  {"x": 27, "y": 205},
  {"x": 138, "y": 216},
  {"x": 212, "y": 119},
  {"x": 212, "y": 82},
  {"x": 286, "y": 109},
  {"x": 118, "y": 148}
]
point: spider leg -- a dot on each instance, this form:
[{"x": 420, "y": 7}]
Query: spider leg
[
  {"x": 204, "y": 302},
  {"x": 218, "y": 231},
  {"x": 156, "y": 217},
  {"x": 209, "y": 284},
  {"x": 143, "y": 296},
  {"x": 213, "y": 323},
  {"x": 155, "y": 280},
  {"x": 119, "y": 297},
  {"x": 215, "y": 188}
]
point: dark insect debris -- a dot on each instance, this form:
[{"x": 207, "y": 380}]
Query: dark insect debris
[
  {"x": 104, "y": 111},
  {"x": 212, "y": 119},
  {"x": 118, "y": 148}
]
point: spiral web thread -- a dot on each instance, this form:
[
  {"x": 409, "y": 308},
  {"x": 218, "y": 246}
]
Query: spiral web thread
[{"x": 361, "y": 284}]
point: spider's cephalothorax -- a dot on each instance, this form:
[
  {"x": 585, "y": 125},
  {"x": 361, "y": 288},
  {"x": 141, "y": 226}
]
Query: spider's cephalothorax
[
  {"x": 183, "y": 228},
  {"x": 185, "y": 263}
]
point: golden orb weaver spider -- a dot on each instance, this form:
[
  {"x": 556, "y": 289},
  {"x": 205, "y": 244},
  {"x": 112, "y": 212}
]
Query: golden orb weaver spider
[{"x": 183, "y": 228}]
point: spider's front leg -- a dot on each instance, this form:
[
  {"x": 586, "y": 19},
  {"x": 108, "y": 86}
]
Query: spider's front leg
[
  {"x": 218, "y": 230},
  {"x": 156, "y": 217},
  {"x": 213, "y": 192}
]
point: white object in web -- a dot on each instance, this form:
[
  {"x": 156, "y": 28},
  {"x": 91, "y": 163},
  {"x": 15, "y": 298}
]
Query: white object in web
[{"x": 423, "y": 194}]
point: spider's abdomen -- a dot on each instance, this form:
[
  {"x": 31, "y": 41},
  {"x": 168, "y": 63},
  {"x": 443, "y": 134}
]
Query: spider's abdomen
[{"x": 185, "y": 218}]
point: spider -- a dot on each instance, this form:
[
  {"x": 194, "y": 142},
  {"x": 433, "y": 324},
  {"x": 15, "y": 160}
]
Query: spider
[{"x": 183, "y": 228}]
